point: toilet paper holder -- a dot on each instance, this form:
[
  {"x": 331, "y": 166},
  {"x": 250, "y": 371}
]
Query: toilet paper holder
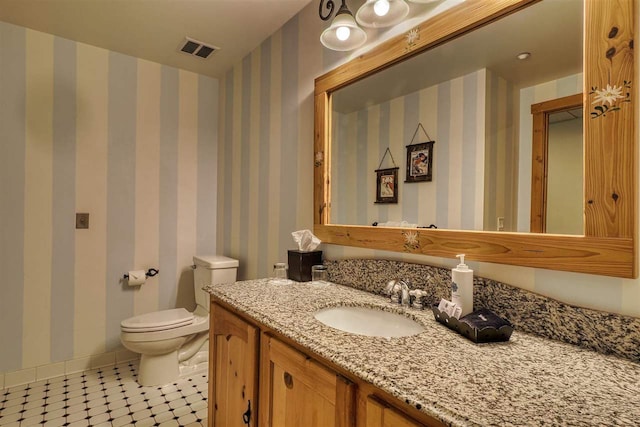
[{"x": 150, "y": 273}]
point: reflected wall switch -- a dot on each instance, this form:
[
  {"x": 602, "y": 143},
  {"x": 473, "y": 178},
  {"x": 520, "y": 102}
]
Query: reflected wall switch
[
  {"x": 82, "y": 220},
  {"x": 500, "y": 223}
]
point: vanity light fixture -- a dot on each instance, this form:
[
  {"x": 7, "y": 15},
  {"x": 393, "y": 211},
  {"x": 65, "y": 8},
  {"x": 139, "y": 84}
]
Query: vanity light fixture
[
  {"x": 382, "y": 13},
  {"x": 343, "y": 33},
  {"x": 523, "y": 55}
]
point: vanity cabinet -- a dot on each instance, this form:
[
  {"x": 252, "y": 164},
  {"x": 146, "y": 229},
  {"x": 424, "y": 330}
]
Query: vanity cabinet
[
  {"x": 380, "y": 414},
  {"x": 254, "y": 367},
  {"x": 233, "y": 370},
  {"x": 295, "y": 390}
]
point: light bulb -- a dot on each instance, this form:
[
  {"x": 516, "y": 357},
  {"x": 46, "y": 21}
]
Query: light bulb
[
  {"x": 343, "y": 33},
  {"x": 381, "y": 7}
]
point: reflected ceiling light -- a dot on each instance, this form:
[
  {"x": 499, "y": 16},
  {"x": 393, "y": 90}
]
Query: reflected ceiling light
[
  {"x": 523, "y": 55},
  {"x": 382, "y": 13},
  {"x": 343, "y": 33}
]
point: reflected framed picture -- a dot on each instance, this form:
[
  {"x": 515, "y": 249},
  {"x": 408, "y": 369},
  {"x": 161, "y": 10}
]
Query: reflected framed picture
[
  {"x": 387, "y": 185},
  {"x": 419, "y": 162}
]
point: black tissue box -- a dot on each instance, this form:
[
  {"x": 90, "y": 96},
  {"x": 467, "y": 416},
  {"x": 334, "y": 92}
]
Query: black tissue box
[{"x": 300, "y": 264}]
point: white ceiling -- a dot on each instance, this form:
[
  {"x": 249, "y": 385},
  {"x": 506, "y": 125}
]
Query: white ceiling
[{"x": 155, "y": 29}]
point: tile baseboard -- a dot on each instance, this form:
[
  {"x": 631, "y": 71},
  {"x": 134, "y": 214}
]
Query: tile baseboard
[{"x": 58, "y": 369}]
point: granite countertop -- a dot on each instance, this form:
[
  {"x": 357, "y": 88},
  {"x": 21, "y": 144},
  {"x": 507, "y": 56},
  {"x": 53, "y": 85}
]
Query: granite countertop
[{"x": 527, "y": 381}]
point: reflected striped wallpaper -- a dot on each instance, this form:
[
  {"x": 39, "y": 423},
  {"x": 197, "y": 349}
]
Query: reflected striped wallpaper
[
  {"x": 453, "y": 114},
  {"x": 130, "y": 142},
  {"x": 474, "y": 162},
  {"x": 500, "y": 154}
]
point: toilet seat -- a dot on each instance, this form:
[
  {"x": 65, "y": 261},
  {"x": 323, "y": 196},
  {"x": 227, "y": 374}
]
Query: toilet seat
[{"x": 158, "y": 321}]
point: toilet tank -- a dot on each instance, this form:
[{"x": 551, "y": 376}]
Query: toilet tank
[{"x": 212, "y": 269}]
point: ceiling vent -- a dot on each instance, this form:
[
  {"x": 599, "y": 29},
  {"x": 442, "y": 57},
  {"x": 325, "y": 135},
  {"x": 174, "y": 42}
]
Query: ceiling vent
[{"x": 197, "y": 48}]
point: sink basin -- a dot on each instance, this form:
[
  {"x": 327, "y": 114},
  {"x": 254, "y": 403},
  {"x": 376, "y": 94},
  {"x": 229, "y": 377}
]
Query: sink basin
[{"x": 368, "y": 321}]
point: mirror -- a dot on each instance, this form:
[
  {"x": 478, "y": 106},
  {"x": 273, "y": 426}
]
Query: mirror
[
  {"x": 606, "y": 245},
  {"x": 473, "y": 96}
]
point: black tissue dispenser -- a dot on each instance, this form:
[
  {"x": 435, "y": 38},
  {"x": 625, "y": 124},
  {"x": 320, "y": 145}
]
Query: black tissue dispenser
[
  {"x": 479, "y": 326},
  {"x": 300, "y": 261},
  {"x": 300, "y": 264}
]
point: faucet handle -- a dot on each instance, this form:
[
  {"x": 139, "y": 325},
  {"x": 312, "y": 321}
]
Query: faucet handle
[{"x": 417, "y": 295}]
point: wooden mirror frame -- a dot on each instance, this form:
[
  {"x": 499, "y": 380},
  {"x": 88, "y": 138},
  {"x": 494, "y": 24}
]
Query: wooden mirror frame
[{"x": 608, "y": 244}]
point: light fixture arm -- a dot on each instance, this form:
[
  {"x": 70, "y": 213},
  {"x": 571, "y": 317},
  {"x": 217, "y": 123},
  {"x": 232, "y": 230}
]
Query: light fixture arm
[{"x": 330, "y": 6}]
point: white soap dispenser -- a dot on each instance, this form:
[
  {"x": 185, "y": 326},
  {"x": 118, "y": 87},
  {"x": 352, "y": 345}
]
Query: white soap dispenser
[{"x": 462, "y": 286}]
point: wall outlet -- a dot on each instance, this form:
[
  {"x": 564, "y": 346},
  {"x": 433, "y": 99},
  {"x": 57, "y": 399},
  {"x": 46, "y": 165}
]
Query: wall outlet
[
  {"x": 500, "y": 223},
  {"x": 82, "y": 220}
]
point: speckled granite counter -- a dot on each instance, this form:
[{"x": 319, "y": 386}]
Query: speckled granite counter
[{"x": 527, "y": 381}]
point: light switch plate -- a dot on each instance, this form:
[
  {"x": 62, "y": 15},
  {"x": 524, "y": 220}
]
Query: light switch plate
[{"x": 82, "y": 220}]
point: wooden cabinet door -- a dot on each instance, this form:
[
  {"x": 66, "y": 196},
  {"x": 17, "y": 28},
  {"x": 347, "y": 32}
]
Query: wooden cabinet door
[
  {"x": 233, "y": 370},
  {"x": 297, "y": 391},
  {"x": 379, "y": 414}
]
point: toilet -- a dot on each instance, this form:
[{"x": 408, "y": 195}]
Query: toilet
[{"x": 175, "y": 343}]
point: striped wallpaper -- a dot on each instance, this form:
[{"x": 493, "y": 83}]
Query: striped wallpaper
[
  {"x": 132, "y": 143},
  {"x": 266, "y": 128},
  {"x": 265, "y": 171}
]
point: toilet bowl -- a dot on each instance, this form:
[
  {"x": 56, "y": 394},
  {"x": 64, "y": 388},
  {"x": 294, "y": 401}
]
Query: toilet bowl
[
  {"x": 174, "y": 343},
  {"x": 165, "y": 340}
]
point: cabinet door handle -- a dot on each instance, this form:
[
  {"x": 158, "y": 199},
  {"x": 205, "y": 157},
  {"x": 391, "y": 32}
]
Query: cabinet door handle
[
  {"x": 246, "y": 417},
  {"x": 288, "y": 380}
]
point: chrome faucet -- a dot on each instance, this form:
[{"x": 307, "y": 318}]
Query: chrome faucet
[{"x": 398, "y": 291}]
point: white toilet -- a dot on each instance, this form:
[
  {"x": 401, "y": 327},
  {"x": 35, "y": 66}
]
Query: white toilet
[{"x": 174, "y": 343}]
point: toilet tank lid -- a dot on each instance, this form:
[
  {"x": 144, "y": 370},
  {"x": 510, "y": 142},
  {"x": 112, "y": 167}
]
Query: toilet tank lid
[{"x": 214, "y": 261}]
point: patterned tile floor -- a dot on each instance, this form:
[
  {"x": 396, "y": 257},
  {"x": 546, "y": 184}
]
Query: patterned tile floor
[{"x": 105, "y": 397}]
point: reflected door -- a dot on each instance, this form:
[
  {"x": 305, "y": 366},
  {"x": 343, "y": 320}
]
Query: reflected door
[{"x": 557, "y": 171}]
